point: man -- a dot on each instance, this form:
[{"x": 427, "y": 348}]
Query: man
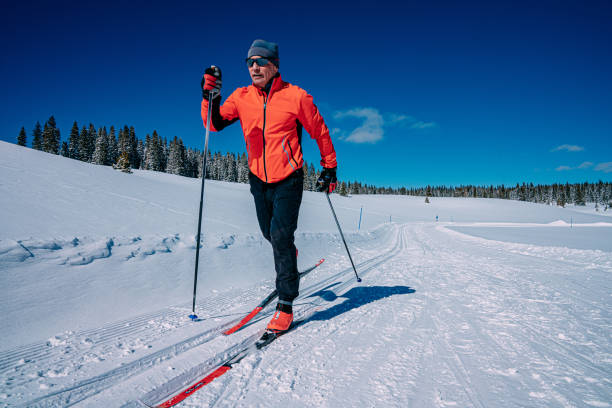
[{"x": 272, "y": 114}]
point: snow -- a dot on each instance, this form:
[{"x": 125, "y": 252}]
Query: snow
[
  {"x": 498, "y": 304},
  {"x": 582, "y": 236}
]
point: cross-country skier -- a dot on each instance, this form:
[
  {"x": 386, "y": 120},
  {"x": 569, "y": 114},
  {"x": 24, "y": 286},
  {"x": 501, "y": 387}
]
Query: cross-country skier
[{"x": 272, "y": 114}]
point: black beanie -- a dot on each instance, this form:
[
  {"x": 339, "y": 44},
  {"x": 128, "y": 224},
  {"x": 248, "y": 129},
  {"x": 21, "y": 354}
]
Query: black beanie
[{"x": 265, "y": 49}]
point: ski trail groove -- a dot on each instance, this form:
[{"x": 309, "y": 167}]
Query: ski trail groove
[
  {"x": 92, "y": 386},
  {"x": 307, "y": 309}
]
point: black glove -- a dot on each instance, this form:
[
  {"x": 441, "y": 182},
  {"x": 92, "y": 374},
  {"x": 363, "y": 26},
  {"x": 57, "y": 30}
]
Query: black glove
[
  {"x": 211, "y": 82},
  {"x": 327, "y": 180}
]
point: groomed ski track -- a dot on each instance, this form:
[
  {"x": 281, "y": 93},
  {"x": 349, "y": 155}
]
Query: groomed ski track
[
  {"x": 174, "y": 319},
  {"x": 441, "y": 319}
]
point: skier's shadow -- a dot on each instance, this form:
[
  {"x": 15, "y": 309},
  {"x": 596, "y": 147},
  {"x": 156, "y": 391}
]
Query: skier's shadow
[{"x": 355, "y": 298}]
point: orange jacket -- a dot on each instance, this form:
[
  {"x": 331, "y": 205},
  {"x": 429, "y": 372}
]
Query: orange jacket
[{"x": 272, "y": 127}]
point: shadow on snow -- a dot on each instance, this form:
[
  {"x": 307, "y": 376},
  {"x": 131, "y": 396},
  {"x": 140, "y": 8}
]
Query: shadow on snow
[{"x": 355, "y": 298}]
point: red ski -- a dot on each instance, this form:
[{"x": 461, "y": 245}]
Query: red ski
[
  {"x": 265, "y": 303},
  {"x": 267, "y": 338}
]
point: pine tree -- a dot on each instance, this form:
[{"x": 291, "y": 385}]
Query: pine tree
[
  {"x": 579, "y": 196},
  {"x": 312, "y": 178},
  {"x": 123, "y": 163},
  {"x": 133, "y": 148},
  {"x": 191, "y": 163},
  {"x": 101, "y": 150},
  {"x": 123, "y": 142},
  {"x": 165, "y": 151},
  {"x": 84, "y": 143},
  {"x": 153, "y": 159},
  {"x": 243, "y": 169},
  {"x": 561, "y": 200},
  {"x": 140, "y": 153},
  {"x": 74, "y": 143},
  {"x": 65, "y": 151},
  {"x": 51, "y": 137},
  {"x": 37, "y": 137},
  {"x": 21, "y": 139},
  {"x": 209, "y": 166},
  {"x": 47, "y": 134},
  {"x": 176, "y": 158},
  {"x": 147, "y": 152},
  {"x": 568, "y": 194},
  {"x": 231, "y": 172},
  {"x": 88, "y": 143},
  {"x": 112, "y": 153}
]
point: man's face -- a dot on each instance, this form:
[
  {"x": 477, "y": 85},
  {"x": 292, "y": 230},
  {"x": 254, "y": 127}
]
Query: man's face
[{"x": 261, "y": 75}]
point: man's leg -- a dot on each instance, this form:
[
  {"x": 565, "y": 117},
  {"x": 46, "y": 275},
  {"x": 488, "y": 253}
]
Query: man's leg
[
  {"x": 285, "y": 212},
  {"x": 263, "y": 204}
]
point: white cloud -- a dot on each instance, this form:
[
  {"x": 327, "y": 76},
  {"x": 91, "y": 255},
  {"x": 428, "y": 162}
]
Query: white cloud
[
  {"x": 568, "y": 147},
  {"x": 400, "y": 119},
  {"x": 605, "y": 167},
  {"x": 370, "y": 131},
  {"x": 374, "y": 123}
]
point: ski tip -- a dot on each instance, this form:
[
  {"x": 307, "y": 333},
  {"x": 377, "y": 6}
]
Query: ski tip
[{"x": 321, "y": 261}]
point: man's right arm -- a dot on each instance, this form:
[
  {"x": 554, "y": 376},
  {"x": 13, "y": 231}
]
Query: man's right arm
[{"x": 221, "y": 116}]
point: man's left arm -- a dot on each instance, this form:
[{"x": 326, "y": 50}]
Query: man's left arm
[{"x": 309, "y": 116}]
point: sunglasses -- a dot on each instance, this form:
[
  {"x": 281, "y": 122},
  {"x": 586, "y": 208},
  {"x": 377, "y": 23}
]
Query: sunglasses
[{"x": 262, "y": 62}]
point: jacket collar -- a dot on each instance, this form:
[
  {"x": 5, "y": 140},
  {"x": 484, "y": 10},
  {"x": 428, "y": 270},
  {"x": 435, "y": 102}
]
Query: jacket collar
[{"x": 273, "y": 85}]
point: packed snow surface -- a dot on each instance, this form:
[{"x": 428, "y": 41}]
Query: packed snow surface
[{"x": 497, "y": 304}]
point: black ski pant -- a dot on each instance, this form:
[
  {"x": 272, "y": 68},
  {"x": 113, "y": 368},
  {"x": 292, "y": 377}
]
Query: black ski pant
[{"x": 278, "y": 207}]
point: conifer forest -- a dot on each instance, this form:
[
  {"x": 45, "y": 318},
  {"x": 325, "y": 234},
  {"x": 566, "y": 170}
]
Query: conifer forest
[{"x": 122, "y": 149}]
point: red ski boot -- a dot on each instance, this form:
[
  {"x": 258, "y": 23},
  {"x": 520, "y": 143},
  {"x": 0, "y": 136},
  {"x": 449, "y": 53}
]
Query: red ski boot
[{"x": 282, "y": 319}]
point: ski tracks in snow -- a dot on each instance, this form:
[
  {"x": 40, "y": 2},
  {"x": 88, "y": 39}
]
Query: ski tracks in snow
[
  {"x": 440, "y": 320},
  {"x": 445, "y": 321},
  {"x": 134, "y": 339}
]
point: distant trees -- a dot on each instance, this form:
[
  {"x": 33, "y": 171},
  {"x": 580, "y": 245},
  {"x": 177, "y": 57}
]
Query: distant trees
[
  {"x": 51, "y": 140},
  {"x": 126, "y": 152},
  {"x": 73, "y": 142},
  {"x": 123, "y": 163},
  {"x": 177, "y": 157},
  {"x": 22, "y": 138},
  {"x": 100, "y": 154},
  {"x": 37, "y": 137},
  {"x": 559, "y": 194}
]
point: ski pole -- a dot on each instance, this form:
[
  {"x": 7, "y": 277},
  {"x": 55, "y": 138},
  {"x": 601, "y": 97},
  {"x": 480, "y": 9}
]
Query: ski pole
[
  {"x": 193, "y": 316},
  {"x": 342, "y": 235}
]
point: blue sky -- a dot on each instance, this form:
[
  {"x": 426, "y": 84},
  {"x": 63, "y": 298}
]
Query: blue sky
[{"x": 415, "y": 94}]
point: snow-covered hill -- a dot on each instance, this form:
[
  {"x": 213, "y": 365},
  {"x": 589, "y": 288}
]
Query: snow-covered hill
[{"x": 498, "y": 304}]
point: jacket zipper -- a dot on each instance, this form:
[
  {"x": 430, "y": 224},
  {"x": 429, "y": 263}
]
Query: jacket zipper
[
  {"x": 263, "y": 134},
  {"x": 263, "y": 130}
]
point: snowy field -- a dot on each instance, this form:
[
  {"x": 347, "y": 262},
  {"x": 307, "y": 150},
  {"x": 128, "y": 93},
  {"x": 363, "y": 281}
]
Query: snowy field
[{"x": 498, "y": 304}]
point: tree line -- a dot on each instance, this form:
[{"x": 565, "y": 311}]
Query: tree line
[{"x": 123, "y": 150}]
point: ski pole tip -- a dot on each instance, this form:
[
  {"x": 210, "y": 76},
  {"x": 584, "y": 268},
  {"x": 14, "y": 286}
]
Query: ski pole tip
[
  {"x": 358, "y": 279},
  {"x": 193, "y": 317}
]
